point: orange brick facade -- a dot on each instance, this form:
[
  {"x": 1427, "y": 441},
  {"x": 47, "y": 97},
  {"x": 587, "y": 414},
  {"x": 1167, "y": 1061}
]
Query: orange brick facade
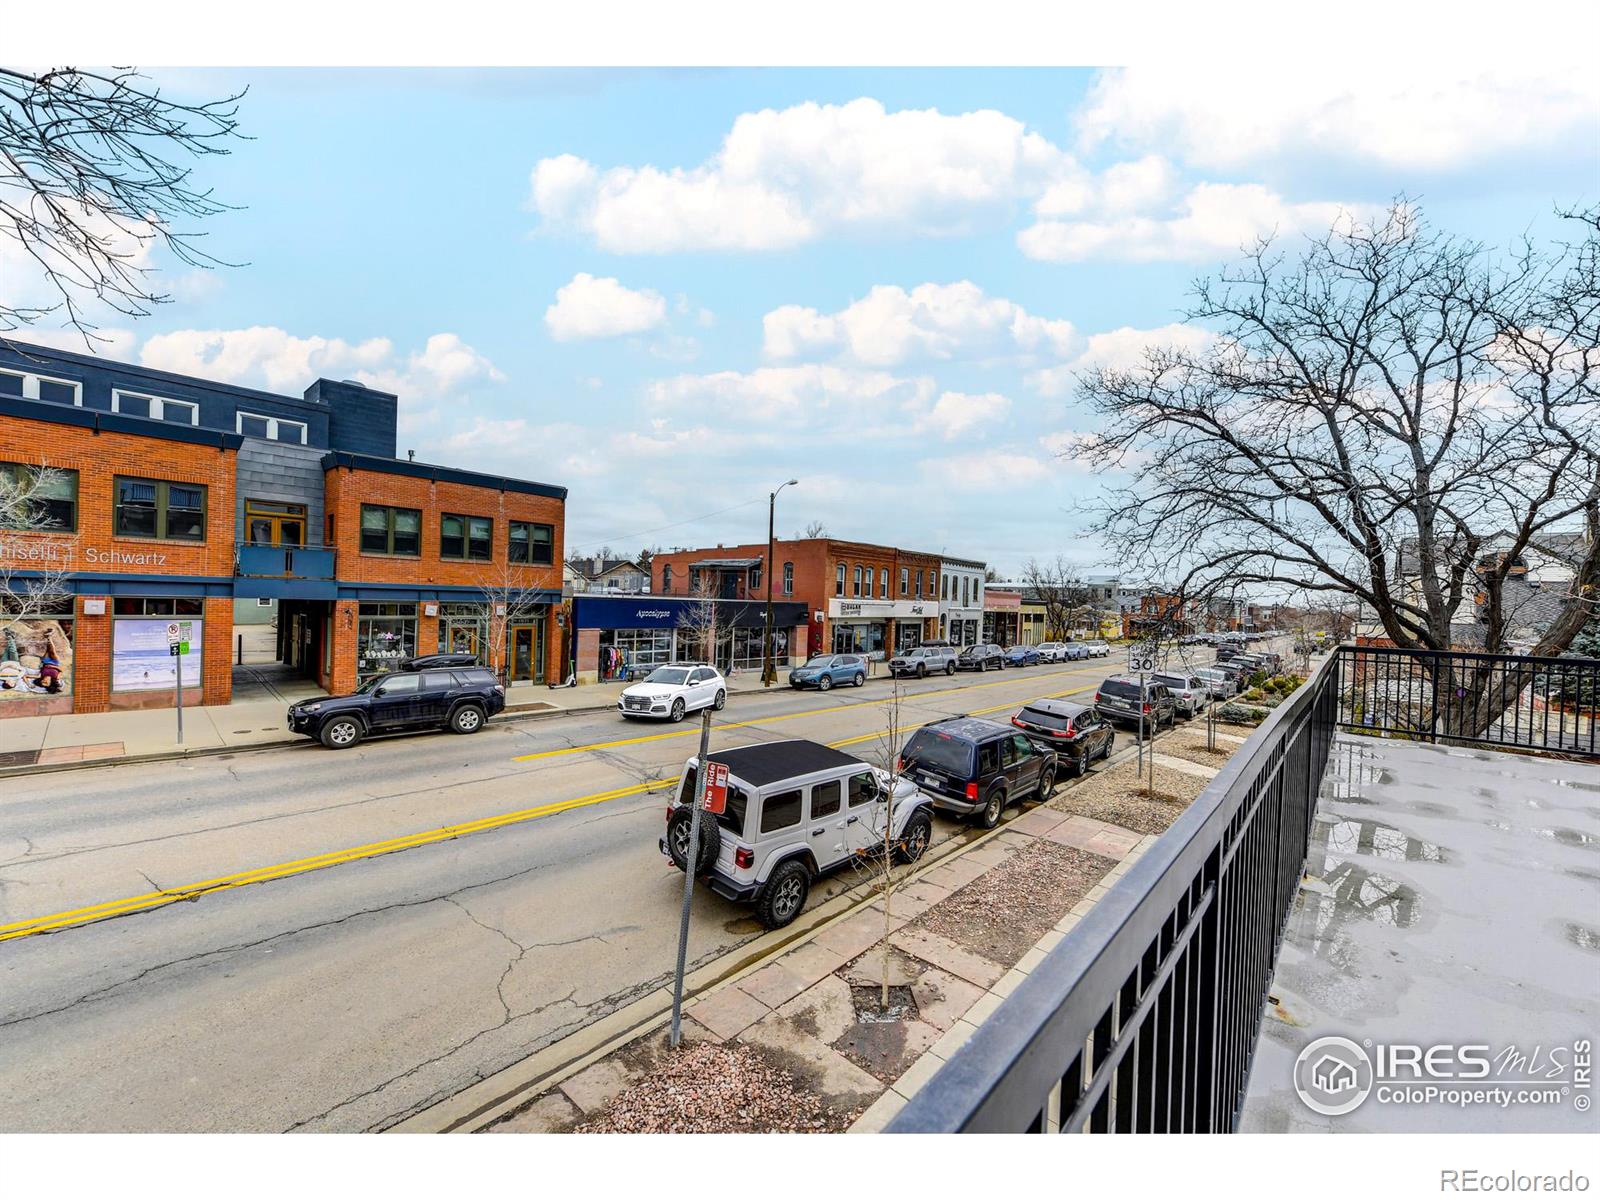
[
  {"x": 816, "y": 564},
  {"x": 99, "y": 458}
]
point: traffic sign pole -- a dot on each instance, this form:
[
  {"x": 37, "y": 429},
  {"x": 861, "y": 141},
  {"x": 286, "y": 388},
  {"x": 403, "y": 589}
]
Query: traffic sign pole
[
  {"x": 177, "y": 663},
  {"x": 691, "y": 861}
]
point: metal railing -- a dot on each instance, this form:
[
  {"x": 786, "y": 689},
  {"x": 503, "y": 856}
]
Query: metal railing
[
  {"x": 1465, "y": 698},
  {"x": 1145, "y": 1017},
  {"x": 284, "y": 562}
]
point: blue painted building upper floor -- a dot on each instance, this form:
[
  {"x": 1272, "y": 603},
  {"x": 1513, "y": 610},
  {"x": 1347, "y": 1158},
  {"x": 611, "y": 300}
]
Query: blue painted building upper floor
[{"x": 331, "y": 415}]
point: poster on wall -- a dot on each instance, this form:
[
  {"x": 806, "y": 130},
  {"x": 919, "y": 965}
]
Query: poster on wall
[
  {"x": 140, "y": 660},
  {"x": 35, "y": 658}
]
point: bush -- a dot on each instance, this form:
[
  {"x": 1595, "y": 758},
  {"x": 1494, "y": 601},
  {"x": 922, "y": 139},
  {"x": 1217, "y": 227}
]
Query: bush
[{"x": 1241, "y": 714}]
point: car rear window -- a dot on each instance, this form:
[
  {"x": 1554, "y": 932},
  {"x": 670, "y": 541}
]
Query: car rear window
[
  {"x": 475, "y": 675},
  {"x": 732, "y": 818},
  {"x": 1044, "y": 720},
  {"x": 1122, "y": 689},
  {"x": 931, "y": 748},
  {"x": 1177, "y": 681},
  {"x": 437, "y": 680},
  {"x": 780, "y": 810}
]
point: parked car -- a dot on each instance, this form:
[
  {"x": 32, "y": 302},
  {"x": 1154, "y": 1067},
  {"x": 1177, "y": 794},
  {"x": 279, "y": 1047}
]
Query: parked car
[
  {"x": 796, "y": 810},
  {"x": 1075, "y": 733},
  {"x": 1098, "y": 648},
  {"x": 669, "y": 692},
  {"x": 459, "y": 700},
  {"x": 1188, "y": 691},
  {"x": 981, "y": 657},
  {"x": 824, "y": 671},
  {"x": 1022, "y": 656},
  {"x": 1219, "y": 685},
  {"x": 974, "y": 767},
  {"x": 1120, "y": 699},
  {"x": 924, "y": 661},
  {"x": 1052, "y": 652},
  {"x": 1076, "y": 651}
]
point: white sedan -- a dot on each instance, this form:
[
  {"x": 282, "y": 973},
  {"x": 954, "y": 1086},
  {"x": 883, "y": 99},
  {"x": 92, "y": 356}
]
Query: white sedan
[{"x": 670, "y": 692}]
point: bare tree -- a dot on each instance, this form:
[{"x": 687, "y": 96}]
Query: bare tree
[
  {"x": 37, "y": 554},
  {"x": 816, "y": 529},
  {"x": 700, "y": 619},
  {"x": 509, "y": 599},
  {"x": 1395, "y": 414},
  {"x": 1066, "y": 596},
  {"x": 94, "y": 176}
]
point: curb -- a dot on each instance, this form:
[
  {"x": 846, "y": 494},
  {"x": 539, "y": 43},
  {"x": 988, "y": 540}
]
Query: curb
[{"x": 481, "y": 1104}]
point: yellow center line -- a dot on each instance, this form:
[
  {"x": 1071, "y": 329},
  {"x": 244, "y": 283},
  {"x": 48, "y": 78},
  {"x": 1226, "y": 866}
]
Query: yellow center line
[
  {"x": 910, "y": 697},
  {"x": 317, "y": 862}
]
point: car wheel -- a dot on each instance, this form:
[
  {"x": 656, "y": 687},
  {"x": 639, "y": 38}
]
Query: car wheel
[
  {"x": 860, "y": 679},
  {"x": 989, "y": 814},
  {"x": 722, "y": 698},
  {"x": 468, "y": 718},
  {"x": 785, "y": 894},
  {"x": 922, "y": 671},
  {"x": 341, "y": 733},
  {"x": 677, "y": 710},
  {"x": 1047, "y": 784},
  {"x": 825, "y": 683},
  {"x": 950, "y": 668},
  {"x": 1105, "y": 755},
  {"x": 679, "y": 826},
  {"x": 914, "y": 838}
]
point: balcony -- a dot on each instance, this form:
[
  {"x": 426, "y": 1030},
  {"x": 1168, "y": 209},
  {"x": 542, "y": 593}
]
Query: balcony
[
  {"x": 284, "y": 562},
  {"x": 1370, "y": 865}
]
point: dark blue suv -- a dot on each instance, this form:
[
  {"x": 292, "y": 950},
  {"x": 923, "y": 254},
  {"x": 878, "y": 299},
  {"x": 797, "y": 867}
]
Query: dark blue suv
[{"x": 459, "y": 699}]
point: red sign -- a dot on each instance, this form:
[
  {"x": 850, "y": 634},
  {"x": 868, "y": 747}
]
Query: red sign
[{"x": 715, "y": 798}]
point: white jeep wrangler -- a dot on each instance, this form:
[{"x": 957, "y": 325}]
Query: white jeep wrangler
[{"x": 796, "y": 811}]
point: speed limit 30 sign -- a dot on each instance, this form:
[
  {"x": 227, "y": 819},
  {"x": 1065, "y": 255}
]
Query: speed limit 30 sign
[{"x": 1141, "y": 659}]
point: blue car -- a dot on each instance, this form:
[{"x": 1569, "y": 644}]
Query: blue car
[
  {"x": 1075, "y": 651},
  {"x": 826, "y": 671},
  {"x": 1022, "y": 656}
]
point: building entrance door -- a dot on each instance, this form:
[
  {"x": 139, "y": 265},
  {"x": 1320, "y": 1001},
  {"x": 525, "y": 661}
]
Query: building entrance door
[{"x": 527, "y": 652}]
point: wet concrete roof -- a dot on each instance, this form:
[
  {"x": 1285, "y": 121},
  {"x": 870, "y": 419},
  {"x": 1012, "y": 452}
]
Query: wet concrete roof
[{"x": 1451, "y": 896}]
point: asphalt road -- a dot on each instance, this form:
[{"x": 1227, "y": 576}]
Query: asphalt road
[{"x": 348, "y": 997}]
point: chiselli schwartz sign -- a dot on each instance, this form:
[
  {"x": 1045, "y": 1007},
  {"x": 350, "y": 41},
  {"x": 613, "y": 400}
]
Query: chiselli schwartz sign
[{"x": 52, "y": 553}]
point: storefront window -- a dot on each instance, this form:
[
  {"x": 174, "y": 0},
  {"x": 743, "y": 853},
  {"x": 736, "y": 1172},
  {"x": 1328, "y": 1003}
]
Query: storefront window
[
  {"x": 141, "y": 657},
  {"x": 464, "y": 629},
  {"x": 385, "y": 634},
  {"x": 625, "y": 652},
  {"x": 37, "y": 656}
]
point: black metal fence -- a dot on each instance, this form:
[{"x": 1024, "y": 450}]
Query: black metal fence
[
  {"x": 1145, "y": 1019},
  {"x": 1496, "y": 700}
]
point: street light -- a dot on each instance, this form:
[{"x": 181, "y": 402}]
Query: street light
[{"x": 769, "y": 671}]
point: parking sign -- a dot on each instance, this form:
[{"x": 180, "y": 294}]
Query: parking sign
[{"x": 715, "y": 798}]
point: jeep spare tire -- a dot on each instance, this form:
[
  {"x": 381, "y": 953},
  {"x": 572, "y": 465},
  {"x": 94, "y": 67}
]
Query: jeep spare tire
[{"x": 678, "y": 827}]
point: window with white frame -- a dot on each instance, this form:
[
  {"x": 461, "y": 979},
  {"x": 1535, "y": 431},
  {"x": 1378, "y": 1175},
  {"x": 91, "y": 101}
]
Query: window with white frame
[
  {"x": 273, "y": 429},
  {"x": 28, "y": 385},
  {"x": 156, "y": 408}
]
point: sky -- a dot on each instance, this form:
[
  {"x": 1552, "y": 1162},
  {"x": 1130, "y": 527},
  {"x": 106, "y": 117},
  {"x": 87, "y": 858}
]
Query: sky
[{"x": 672, "y": 290}]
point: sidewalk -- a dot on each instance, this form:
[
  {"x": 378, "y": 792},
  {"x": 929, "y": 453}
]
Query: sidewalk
[{"x": 255, "y": 719}]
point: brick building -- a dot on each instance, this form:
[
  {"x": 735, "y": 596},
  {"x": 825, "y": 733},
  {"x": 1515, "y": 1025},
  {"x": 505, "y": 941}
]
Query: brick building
[
  {"x": 857, "y": 597},
  {"x": 174, "y": 498}
]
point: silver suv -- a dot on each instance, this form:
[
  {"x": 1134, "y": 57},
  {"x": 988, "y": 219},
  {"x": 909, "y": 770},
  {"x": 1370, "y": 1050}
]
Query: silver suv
[
  {"x": 923, "y": 661},
  {"x": 796, "y": 810}
]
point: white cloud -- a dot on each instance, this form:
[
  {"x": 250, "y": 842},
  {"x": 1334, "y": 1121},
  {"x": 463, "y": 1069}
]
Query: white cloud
[
  {"x": 985, "y": 470},
  {"x": 1119, "y": 350},
  {"x": 591, "y": 307},
  {"x": 890, "y": 326},
  {"x": 798, "y": 393},
  {"x": 956, "y": 413},
  {"x": 1213, "y": 221},
  {"x": 268, "y": 357},
  {"x": 1434, "y": 113},
  {"x": 111, "y": 343},
  {"x": 784, "y": 178}
]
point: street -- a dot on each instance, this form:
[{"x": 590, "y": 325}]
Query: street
[{"x": 344, "y": 997}]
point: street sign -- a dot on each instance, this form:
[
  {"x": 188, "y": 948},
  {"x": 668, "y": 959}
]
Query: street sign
[
  {"x": 178, "y": 633},
  {"x": 715, "y": 797},
  {"x": 1141, "y": 658}
]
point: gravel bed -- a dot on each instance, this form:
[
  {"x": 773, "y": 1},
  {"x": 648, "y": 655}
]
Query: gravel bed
[
  {"x": 1190, "y": 743},
  {"x": 1002, "y": 913},
  {"x": 708, "y": 1088},
  {"x": 1118, "y": 796}
]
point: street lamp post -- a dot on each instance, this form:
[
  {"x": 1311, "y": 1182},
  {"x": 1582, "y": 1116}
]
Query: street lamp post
[{"x": 769, "y": 669}]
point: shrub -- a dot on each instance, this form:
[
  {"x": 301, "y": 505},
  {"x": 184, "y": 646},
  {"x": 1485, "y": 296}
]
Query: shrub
[{"x": 1241, "y": 714}]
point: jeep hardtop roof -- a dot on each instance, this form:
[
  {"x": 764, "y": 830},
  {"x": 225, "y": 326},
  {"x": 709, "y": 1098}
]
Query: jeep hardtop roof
[{"x": 769, "y": 762}]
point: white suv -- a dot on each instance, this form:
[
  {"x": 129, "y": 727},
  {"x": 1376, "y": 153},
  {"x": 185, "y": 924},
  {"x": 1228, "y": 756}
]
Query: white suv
[
  {"x": 1098, "y": 649},
  {"x": 670, "y": 692},
  {"x": 796, "y": 810}
]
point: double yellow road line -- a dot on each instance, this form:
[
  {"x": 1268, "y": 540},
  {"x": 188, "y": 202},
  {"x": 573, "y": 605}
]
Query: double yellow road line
[{"x": 152, "y": 900}]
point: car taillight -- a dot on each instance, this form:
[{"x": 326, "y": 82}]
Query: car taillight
[
  {"x": 972, "y": 790},
  {"x": 1147, "y": 708},
  {"x": 1018, "y": 723},
  {"x": 1068, "y": 731},
  {"x": 899, "y": 764},
  {"x": 744, "y": 857},
  {"x": 1097, "y": 697}
]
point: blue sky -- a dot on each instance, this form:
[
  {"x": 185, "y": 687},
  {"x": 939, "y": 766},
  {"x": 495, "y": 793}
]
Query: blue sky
[{"x": 671, "y": 290}]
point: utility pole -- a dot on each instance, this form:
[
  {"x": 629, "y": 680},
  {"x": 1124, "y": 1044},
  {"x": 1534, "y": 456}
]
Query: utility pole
[
  {"x": 691, "y": 864},
  {"x": 769, "y": 668}
]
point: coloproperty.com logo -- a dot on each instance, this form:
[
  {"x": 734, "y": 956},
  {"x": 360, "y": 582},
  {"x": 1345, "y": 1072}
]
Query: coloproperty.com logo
[{"x": 1337, "y": 1075}]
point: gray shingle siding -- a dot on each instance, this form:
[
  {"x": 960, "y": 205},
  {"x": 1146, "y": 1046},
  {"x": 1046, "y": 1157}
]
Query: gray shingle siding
[{"x": 277, "y": 471}]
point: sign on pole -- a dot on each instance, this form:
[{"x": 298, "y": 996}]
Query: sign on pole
[
  {"x": 714, "y": 799},
  {"x": 1141, "y": 658}
]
